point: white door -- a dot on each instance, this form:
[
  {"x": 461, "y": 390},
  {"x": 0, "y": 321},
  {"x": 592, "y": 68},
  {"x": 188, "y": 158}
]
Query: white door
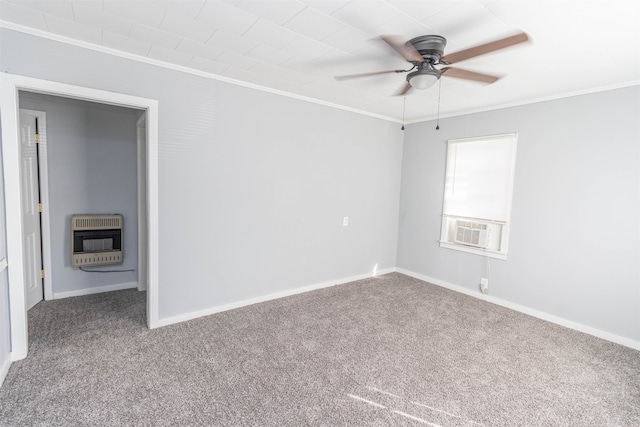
[{"x": 30, "y": 208}]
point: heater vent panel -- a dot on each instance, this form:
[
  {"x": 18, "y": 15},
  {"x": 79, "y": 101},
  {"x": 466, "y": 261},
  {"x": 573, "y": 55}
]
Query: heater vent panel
[
  {"x": 96, "y": 222},
  {"x": 98, "y": 258},
  {"x": 96, "y": 240}
]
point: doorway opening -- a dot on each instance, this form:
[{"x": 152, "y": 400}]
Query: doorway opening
[
  {"x": 89, "y": 160},
  {"x": 10, "y": 86}
]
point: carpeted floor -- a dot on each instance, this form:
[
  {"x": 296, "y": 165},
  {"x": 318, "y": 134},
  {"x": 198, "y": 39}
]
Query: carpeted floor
[{"x": 385, "y": 351}]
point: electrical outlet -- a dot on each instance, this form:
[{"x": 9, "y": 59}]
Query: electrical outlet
[
  {"x": 345, "y": 221},
  {"x": 484, "y": 285}
]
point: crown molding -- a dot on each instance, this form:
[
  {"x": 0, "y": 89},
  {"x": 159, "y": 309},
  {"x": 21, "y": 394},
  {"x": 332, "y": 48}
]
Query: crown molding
[{"x": 158, "y": 63}]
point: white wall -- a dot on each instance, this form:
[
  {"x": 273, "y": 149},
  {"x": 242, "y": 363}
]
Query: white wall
[
  {"x": 5, "y": 331},
  {"x": 92, "y": 169},
  {"x": 253, "y": 186},
  {"x": 574, "y": 247}
]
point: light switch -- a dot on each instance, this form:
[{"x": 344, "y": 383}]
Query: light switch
[{"x": 345, "y": 221}]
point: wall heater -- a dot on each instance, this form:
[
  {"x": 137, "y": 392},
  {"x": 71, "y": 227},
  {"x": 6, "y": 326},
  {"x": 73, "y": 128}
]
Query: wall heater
[{"x": 96, "y": 240}]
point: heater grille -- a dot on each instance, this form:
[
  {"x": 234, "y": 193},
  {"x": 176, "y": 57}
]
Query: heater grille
[
  {"x": 97, "y": 222},
  {"x": 96, "y": 240}
]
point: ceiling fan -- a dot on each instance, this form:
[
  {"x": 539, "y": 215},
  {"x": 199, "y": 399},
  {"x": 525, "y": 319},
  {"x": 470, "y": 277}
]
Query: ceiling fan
[{"x": 427, "y": 52}]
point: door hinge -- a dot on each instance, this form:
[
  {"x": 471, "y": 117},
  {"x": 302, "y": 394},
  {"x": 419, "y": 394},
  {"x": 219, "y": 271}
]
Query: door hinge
[
  {"x": 42, "y": 274},
  {"x": 39, "y": 207},
  {"x": 37, "y": 138}
]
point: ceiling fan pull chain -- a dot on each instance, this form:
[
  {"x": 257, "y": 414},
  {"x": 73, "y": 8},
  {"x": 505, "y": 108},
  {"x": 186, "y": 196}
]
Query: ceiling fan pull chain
[
  {"x": 404, "y": 104},
  {"x": 439, "y": 92}
]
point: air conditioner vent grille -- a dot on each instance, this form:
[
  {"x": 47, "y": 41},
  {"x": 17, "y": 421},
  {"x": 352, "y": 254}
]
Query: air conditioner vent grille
[{"x": 472, "y": 234}]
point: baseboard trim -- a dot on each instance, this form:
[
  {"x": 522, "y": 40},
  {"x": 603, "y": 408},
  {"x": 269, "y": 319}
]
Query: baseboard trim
[
  {"x": 100, "y": 289},
  {"x": 225, "y": 307},
  {"x": 627, "y": 342},
  {"x": 4, "y": 369}
]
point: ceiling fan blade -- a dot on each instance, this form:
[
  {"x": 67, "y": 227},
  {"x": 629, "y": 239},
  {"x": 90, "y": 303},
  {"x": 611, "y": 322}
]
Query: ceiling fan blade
[
  {"x": 406, "y": 50},
  {"x": 469, "y": 75},
  {"x": 355, "y": 76},
  {"x": 403, "y": 90},
  {"x": 472, "y": 52}
]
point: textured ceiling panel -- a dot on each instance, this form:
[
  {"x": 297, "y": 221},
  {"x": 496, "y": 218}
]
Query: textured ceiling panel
[{"x": 298, "y": 46}]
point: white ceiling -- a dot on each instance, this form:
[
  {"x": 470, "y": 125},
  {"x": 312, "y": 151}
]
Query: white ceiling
[{"x": 297, "y": 46}]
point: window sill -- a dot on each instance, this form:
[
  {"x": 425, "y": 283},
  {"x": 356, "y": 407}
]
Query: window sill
[{"x": 472, "y": 250}]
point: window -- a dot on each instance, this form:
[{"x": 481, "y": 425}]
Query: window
[{"x": 477, "y": 194}]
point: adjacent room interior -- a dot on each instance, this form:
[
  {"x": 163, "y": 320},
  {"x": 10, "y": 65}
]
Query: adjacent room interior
[{"x": 294, "y": 204}]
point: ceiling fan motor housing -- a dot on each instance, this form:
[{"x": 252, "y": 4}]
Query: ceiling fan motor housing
[{"x": 430, "y": 47}]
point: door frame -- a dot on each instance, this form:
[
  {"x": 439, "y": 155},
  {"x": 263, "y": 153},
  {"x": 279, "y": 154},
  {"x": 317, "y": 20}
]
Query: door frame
[
  {"x": 10, "y": 85},
  {"x": 143, "y": 250},
  {"x": 43, "y": 180}
]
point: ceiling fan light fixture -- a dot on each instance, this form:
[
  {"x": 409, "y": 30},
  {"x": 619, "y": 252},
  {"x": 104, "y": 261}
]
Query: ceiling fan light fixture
[{"x": 423, "y": 79}]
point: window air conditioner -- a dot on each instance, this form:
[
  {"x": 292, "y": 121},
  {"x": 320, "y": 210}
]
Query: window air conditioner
[{"x": 471, "y": 234}]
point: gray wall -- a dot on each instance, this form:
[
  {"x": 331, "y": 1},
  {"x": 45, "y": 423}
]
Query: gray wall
[
  {"x": 5, "y": 331},
  {"x": 574, "y": 246},
  {"x": 252, "y": 186},
  {"x": 92, "y": 169}
]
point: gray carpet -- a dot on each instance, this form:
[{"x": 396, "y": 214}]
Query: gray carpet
[{"x": 386, "y": 351}]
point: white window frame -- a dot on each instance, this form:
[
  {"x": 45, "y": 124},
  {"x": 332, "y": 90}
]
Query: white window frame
[{"x": 497, "y": 229}]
